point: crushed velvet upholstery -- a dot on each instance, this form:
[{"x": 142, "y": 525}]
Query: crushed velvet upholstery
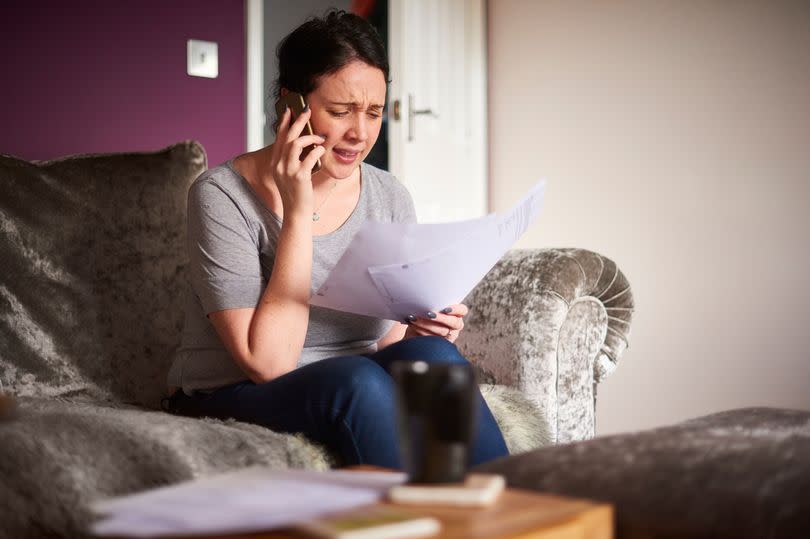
[
  {"x": 91, "y": 281},
  {"x": 552, "y": 323},
  {"x": 737, "y": 474},
  {"x": 93, "y": 259}
]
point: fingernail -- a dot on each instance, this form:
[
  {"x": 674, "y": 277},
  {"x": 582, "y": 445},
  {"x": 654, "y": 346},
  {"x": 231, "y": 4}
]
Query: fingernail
[
  {"x": 322, "y": 136},
  {"x": 431, "y": 314},
  {"x": 446, "y": 310},
  {"x": 410, "y": 318}
]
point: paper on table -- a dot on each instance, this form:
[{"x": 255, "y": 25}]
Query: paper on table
[
  {"x": 391, "y": 270},
  {"x": 251, "y": 499}
]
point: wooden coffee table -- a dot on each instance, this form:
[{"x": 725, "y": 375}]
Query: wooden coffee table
[{"x": 518, "y": 514}]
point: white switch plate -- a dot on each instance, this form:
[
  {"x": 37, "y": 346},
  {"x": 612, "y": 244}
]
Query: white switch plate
[{"x": 202, "y": 59}]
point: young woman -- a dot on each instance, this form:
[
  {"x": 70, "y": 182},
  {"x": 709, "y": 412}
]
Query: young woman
[{"x": 264, "y": 232}]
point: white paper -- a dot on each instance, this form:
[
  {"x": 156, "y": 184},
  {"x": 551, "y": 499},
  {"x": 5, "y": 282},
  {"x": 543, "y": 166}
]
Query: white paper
[
  {"x": 391, "y": 270},
  {"x": 252, "y": 499}
]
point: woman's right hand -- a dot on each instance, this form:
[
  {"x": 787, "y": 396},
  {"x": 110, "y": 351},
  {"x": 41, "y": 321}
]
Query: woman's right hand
[{"x": 292, "y": 176}]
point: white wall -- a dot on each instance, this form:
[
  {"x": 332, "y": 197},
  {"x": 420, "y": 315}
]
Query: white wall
[{"x": 676, "y": 140}]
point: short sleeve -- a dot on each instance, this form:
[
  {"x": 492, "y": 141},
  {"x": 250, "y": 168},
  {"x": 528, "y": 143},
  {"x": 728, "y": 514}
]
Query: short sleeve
[
  {"x": 404, "y": 210},
  {"x": 224, "y": 260}
]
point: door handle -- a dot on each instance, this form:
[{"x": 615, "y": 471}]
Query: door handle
[{"x": 413, "y": 112}]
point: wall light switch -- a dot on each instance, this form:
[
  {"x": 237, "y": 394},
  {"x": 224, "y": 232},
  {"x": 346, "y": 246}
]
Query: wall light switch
[{"x": 202, "y": 59}]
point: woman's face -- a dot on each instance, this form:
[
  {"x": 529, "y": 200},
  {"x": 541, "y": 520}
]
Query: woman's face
[{"x": 347, "y": 108}]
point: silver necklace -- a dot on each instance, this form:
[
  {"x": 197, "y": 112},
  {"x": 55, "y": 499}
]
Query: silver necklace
[{"x": 317, "y": 216}]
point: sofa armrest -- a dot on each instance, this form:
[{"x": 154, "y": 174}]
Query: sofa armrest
[{"x": 552, "y": 323}]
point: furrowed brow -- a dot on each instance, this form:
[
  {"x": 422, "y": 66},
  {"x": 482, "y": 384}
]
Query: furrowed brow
[{"x": 353, "y": 104}]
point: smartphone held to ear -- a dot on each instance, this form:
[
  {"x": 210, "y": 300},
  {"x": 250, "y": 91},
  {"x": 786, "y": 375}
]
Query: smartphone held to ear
[{"x": 296, "y": 102}]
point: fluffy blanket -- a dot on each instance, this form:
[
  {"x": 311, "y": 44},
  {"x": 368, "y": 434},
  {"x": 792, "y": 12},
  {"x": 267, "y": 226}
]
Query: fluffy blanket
[{"x": 57, "y": 455}]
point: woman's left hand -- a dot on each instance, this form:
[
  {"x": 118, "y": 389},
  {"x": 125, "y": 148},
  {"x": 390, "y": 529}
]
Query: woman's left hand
[{"x": 446, "y": 323}]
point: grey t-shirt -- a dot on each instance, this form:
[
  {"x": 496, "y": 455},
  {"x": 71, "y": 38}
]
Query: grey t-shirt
[{"x": 232, "y": 238}]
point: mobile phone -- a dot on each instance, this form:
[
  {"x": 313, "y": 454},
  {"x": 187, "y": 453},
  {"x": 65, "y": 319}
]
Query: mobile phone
[{"x": 296, "y": 102}]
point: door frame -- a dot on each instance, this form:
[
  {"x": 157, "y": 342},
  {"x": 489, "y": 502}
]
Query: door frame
[{"x": 254, "y": 52}]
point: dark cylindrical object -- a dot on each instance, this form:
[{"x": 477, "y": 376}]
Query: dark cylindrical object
[{"x": 437, "y": 416}]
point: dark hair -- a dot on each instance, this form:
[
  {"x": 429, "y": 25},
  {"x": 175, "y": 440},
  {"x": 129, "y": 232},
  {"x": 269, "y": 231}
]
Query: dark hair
[{"x": 324, "y": 45}]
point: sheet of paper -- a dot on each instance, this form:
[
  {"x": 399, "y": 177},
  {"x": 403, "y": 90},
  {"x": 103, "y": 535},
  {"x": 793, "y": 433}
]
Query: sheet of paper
[
  {"x": 413, "y": 240},
  {"x": 385, "y": 243},
  {"x": 391, "y": 270},
  {"x": 252, "y": 499}
]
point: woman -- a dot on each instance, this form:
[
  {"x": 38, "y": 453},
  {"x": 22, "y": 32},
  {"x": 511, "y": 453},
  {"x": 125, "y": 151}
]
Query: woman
[{"x": 264, "y": 232}]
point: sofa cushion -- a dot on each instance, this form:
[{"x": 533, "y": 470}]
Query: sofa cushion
[
  {"x": 742, "y": 473},
  {"x": 91, "y": 276}
]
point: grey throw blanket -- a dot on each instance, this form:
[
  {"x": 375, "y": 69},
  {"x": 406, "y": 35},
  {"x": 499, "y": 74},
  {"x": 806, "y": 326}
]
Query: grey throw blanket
[{"x": 58, "y": 455}]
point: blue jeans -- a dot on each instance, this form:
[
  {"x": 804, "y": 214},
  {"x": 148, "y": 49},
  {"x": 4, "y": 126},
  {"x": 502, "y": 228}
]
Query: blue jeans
[{"x": 346, "y": 403}]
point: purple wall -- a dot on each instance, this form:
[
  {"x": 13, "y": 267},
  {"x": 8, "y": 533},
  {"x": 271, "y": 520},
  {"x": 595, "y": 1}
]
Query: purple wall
[{"x": 107, "y": 76}]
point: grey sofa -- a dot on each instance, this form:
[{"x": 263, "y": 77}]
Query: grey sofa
[{"x": 91, "y": 287}]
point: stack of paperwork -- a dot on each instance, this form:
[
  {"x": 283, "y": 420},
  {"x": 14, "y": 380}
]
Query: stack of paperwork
[
  {"x": 252, "y": 499},
  {"x": 391, "y": 270}
]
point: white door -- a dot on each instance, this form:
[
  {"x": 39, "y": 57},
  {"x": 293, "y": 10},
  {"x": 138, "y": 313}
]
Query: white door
[{"x": 437, "y": 105}]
